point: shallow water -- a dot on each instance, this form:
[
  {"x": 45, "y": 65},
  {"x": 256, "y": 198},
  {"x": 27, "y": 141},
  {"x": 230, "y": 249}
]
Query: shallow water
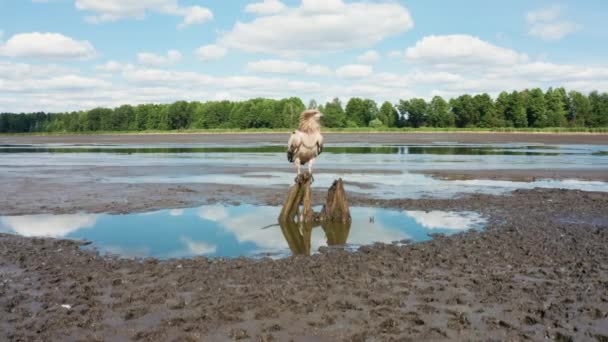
[
  {"x": 387, "y": 171},
  {"x": 232, "y": 231}
]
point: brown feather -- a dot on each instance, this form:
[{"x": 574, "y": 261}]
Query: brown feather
[{"x": 307, "y": 122}]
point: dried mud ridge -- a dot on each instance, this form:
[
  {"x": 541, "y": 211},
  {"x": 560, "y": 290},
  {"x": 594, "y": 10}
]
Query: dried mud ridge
[{"x": 540, "y": 270}]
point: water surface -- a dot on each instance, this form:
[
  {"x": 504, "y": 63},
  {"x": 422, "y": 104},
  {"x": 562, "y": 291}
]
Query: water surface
[
  {"x": 232, "y": 231},
  {"x": 381, "y": 171}
]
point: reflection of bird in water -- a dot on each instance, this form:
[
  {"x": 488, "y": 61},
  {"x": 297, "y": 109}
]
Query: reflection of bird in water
[
  {"x": 372, "y": 219},
  {"x": 298, "y": 234}
]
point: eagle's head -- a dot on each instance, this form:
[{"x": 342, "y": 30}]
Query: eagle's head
[
  {"x": 310, "y": 121},
  {"x": 311, "y": 114}
]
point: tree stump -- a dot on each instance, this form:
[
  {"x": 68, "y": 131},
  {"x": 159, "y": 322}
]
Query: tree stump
[{"x": 297, "y": 225}]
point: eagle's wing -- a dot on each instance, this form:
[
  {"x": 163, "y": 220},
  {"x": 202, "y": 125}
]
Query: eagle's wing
[
  {"x": 293, "y": 145},
  {"x": 319, "y": 144}
]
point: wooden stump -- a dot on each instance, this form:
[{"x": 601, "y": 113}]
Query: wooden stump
[
  {"x": 336, "y": 206},
  {"x": 297, "y": 225}
]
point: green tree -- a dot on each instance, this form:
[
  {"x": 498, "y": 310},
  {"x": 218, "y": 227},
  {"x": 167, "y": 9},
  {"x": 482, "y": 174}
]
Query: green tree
[
  {"x": 516, "y": 110},
  {"x": 464, "y": 110},
  {"x": 376, "y": 123},
  {"x": 599, "y": 109},
  {"x": 357, "y": 112},
  {"x": 556, "y": 107},
  {"x": 485, "y": 111},
  {"x": 312, "y": 104},
  {"x": 415, "y": 110},
  {"x": 501, "y": 106},
  {"x": 536, "y": 108},
  {"x": 333, "y": 114},
  {"x": 178, "y": 115},
  {"x": 388, "y": 114},
  {"x": 579, "y": 109},
  {"x": 439, "y": 113}
]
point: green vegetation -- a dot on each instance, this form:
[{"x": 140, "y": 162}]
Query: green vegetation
[{"x": 530, "y": 110}]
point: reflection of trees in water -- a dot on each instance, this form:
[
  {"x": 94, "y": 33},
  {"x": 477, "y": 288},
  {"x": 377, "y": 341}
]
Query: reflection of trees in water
[{"x": 299, "y": 234}]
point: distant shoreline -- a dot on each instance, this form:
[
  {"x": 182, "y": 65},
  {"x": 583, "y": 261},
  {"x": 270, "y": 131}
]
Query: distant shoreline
[{"x": 280, "y": 137}]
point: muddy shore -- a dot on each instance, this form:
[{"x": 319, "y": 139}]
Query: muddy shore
[
  {"x": 538, "y": 271},
  {"x": 281, "y": 138}
]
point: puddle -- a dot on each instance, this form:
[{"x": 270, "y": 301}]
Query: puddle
[{"x": 233, "y": 231}]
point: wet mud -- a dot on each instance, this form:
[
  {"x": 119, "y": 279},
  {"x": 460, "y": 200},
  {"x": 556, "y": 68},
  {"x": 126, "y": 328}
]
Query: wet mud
[{"x": 538, "y": 271}]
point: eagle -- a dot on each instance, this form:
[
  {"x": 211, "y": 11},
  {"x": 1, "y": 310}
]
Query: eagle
[{"x": 306, "y": 143}]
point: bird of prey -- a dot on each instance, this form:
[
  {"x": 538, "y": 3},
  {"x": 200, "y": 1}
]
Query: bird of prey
[{"x": 306, "y": 143}]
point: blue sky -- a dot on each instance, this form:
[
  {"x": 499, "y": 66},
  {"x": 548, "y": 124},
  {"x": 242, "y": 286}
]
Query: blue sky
[{"x": 60, "y": 55}]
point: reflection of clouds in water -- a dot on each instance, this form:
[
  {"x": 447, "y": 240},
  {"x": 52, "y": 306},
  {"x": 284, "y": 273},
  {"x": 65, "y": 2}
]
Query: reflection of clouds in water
[
  {"x": 48, "y": 225},
  {"x": 126, "y": 252},
  {"x": 176, "y": 212},
  {"x": 248, "y": 228},
  {"x": 198, "y": 247},
  {"x": 363, "y": 232},
  {"x": 445, "y": 219},
  {"x": 213, "y": 213}
]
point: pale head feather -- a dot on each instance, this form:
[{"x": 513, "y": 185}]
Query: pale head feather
[{"x": 309, "y": 121}]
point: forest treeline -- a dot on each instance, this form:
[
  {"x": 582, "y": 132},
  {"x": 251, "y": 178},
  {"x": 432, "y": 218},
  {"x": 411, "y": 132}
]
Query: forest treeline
[{"x": 519, "y": 109}]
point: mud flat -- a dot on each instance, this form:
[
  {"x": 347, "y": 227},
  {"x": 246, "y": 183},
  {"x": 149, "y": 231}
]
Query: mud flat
[
  {"x": 528, "y": 175},
  {"x": 280, "y": 138},
  {"x": 539, "y": 270}
]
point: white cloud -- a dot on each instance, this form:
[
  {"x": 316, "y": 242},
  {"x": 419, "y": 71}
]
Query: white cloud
[
  {"x": 198, "y": 247},
  {"x": 446, "y": 219},
  {"x": 354, "y": 71},
  {"x": 278, "y": 66},
  {"x": 546, "y": 24},
  {"x": 213, "y": 213},
  {"x": 265, "y": 7},
  {"x": 48, "y": 225},
  {"x": 152, "y": 59},
  {"x": 113, "y": 66},
  {"x": 46, "y": 45},
  {"x": 176, "y": 212},
  {"x": 460, "y": 49},
  {"x": 195, "y": 15},
  {"x": 370, "y": 56},
  {"x": 395, "y": 54},
  {"x": 210, "y": 52},
  {"x": 319, "y": 26},
  {"x": 112, "y": 10}
]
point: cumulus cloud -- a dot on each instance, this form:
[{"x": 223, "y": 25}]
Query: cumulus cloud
[
  {"x": 461, "y": 49},
  {"x": 210, "y": 52},
  {"x": 194, "y": 15},
  {"x": 370, "y": 56},
  {"x": 112, "y": 10},
  {"x": 278, "y": 66},
  {"x": 319, "y": 26},
  {"x": 354, "y": 71},
  {"x": 113, "y": 66},
  {"x": 266, "y": 7},
  {"x": 46, "y": 45},
  {"x": 546, "y": 24},
  {"x": 395, "y": 54},
  {"x": 152, "y": 59}
]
